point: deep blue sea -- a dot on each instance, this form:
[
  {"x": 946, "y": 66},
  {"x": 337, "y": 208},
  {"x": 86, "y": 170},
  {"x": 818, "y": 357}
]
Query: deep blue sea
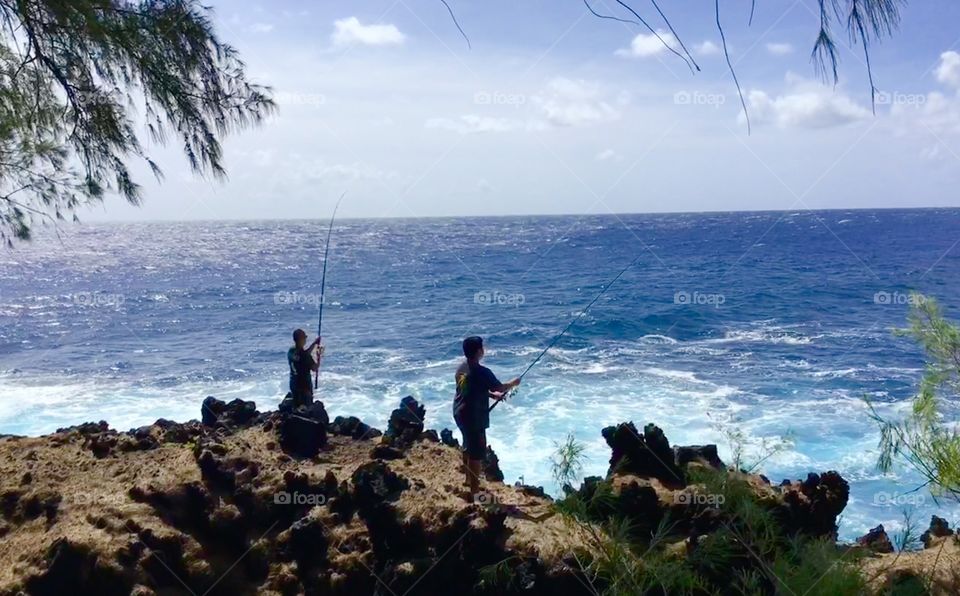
[{"x": 770, "y": 324}]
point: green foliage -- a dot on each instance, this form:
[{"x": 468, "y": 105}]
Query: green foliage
[
  {"x": 817, "y": 567},
  {"x": 908, "y": 537},
  {"x": 749, "y": 457},
  {"x": 923, "y": 439},
  {"x": 746, "y": 552},
  {"x": 499, "y": 577},
  {"x": 566, "y": 464},
  {"x": 73, "y": 76}
]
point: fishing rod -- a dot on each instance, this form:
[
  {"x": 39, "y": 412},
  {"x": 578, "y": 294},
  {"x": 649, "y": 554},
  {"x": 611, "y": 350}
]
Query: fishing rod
[
  {"x": 568, "y": 327},
  {"x": 323, "y": 283}
]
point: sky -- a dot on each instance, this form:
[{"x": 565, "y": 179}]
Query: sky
[{"x": 551, "y": 110}]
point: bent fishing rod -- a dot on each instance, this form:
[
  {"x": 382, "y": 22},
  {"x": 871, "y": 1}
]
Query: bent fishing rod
[
  {"x": 568, "y": 327},
  {"x": 323, "y": 283}
]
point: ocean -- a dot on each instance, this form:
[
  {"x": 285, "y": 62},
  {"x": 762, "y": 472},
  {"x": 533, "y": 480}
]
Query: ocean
[{"x": 764, "y": 324}]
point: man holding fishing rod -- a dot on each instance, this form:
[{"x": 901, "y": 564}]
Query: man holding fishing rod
[
  {"x": 476, "y": 385},
  {"x": 302, "y": 366}
]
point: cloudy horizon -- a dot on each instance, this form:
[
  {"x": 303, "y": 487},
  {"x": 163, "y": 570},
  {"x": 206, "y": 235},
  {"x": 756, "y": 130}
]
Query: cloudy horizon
[{"x": 560, "y": 112}]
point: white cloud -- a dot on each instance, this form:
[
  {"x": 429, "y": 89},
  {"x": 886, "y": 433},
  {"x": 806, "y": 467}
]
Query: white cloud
[
  {"x": 608, "y": 155},
  {"x": 473, "y": 123},
  {"x": 934, "y": 112},
  {"x": 352, "y": 171},
  {"x": 932, "y": 153},
  {"x": 350, "y": 31},
  {"x": 948, "y": 71},
  {"x": 780, "y": 49},
  {"x": 807, "y": 104},
  {"x": 484, "y": 187},
  {"x": 564, "y": 103},
  {"x": 706, "y": 48},
  {"x": 569, "y": 102},
  {"x": 261, "y": 27},
  {"x": 646, "y": 45}
]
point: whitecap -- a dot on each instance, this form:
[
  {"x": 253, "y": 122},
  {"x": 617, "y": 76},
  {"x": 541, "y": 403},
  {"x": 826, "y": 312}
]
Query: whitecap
[
  {"x": 681, "y": 375},
  {"x": 657, "y": 339}
]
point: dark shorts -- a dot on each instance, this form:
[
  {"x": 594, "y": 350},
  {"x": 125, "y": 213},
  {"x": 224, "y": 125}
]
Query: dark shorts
[{"x": 474, "y": 440}]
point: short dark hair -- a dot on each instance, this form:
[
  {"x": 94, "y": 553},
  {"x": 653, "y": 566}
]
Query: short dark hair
[
  {"x": 472, "y": 346},
  {"x": 299, "y": 333}
]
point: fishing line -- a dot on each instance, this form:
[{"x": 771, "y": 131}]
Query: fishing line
[
  {"x": 570, "y": 325},
  {"x": 323, "y": 282}
]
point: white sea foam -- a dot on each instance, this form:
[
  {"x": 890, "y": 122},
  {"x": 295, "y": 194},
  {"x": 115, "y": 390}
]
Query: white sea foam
[
  {"x": 833, "y": 374},
  {"x": 681, "y": 375},
  {"x": 657, "y": 339},
  {"x": 764, "y": 336}
]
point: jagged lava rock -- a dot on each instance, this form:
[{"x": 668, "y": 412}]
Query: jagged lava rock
[
  {"x": 703, "y": 454},
  {"x": 406, "y": 422},
  {"x": 491, "y": 466},
  {"x": 446, "y": 437},
  {"x": 238, "y": 412},
  {"x": 351, "y": 426},
  {"x": 876, "y": 540},
  {"x": 939, "y": 528},
  {"x": 647, "y": 455},
  {"x": 301, "y": 436},
  {"x": 811, "y": 507}
]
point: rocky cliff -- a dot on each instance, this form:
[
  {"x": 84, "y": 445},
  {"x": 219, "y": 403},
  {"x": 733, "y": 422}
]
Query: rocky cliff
[{"x": 289, "y": 502}]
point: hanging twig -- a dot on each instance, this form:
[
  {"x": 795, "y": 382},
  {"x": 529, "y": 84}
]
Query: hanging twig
[
  {"x": 866, "y": 18},
  {"x": 606, "y": 16},
  {"x": 459, "y": 28},
  {"x": 657, "y": 35},
  {"x": 733, "y": 73},
  {"x": 675, "y": 36},
  {"x": 825, "y": 49}
]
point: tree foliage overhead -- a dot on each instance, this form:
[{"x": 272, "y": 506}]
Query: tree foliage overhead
[
  {"x": 77, "y": 80},
  {"x": 865, "y": 22}
]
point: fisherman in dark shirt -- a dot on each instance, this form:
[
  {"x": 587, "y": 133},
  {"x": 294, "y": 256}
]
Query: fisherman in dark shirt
[
  {"x": 476, "y": 384},
  {"x": 302, "y": 365}
]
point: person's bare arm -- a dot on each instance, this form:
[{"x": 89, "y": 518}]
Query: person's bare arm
[{"x": 501, "y": 391}]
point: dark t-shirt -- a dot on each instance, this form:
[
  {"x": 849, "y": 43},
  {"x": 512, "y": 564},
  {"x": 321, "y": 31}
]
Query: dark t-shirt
[
  {"x": 301, "y": 368},
  {"x": 471, "y": 406}
]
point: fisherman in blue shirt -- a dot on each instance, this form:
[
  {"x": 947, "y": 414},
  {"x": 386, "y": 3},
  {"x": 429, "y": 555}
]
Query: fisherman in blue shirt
[{"x": 476, "y": 385}]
